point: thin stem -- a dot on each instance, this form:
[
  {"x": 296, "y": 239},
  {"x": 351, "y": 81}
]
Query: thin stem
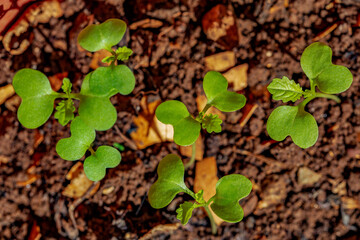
[
  {"x": 91, "y": 150},
  {"x": 207, "y": 106},
  {"x": 212, "y": 220},
  {"x": 328, "y": 96},
  {"x": 192, "y": 159}
]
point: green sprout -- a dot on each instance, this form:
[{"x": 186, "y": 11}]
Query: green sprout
[
  {"x": 186, "y": 127},
  {"x": 294, "y": 121},
  {"x": 95, "y": 112},
  {"x": 225, "y": 203}
]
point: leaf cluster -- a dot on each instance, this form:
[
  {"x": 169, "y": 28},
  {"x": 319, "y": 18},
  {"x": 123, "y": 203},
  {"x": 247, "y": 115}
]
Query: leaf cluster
[
  {"x": 186, "y": 127},
  {"x": 225, "y": 203},
  {"x": 95, "y": 111},
  {"x": 327, "y": 77}
]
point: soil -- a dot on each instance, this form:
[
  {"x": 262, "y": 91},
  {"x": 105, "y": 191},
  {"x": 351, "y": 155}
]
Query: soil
[{"x": 168, "y": 63}]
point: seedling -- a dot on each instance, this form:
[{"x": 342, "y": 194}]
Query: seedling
[
  {"x": 225, "y": 203},
  {"x": 186, "y": 127},
  {"x": 294, "y": 121},
  {"x": 229, "y": 189},
  {"x": 95, "y": 112}
]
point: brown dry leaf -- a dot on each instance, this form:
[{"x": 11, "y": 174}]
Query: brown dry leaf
[
  {"x": 220, "y": 61},
  {"x": 35, "y": 232},
  {"x": 161, "y": 230},
  {"x": 308, "y": 177},
  {"x": 201, "y": 101},
  {"x": 97, "y": 57},
  {"x": 146, "y": 23},
  {"x": 238, "y": 76},
  {"x": 153, "y": 131},
  {"x": 79, "y": 183},
  {"x": 187, "y": 151},
  {"x": 219, "y": 24},
  {"x": 6, "y": 92},
  {"x": 206, "y": 179},
  {"x": 275, "y": 193},
  {"x": 350, "y": 203},
  {"x": 57, "y": 80},
  {"x": 40, "y": 14}
]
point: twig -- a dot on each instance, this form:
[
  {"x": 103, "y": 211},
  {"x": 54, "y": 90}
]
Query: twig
[{"x": 131, "y": 144}]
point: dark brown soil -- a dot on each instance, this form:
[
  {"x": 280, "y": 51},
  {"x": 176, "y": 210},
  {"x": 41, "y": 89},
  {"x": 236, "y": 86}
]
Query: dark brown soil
[{"x": 168, "y": 63}]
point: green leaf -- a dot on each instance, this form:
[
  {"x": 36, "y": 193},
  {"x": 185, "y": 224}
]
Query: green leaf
[
  {"x": 229, "y": 190},
  {"x": 102, "y": 36},
  {"x": 317, "y": 65},
  {"x": 123, "y": 53},
  {"x": 294, "y": 122},
  {"x": 74, "y": 147},
  {"x": 184, "y": 212},
  {"x": 186, "y": 128},
  {"x": 96, "y": 110},
  {"x": 37, "y": 97},
  {"x": 212, "y": 123},
  {"x": 96, "y": 164},
  {"x": 65, "y": 111},
  {"x": 285, "y": 89},
  {"x": 170, "y": 182},
  {"x": 215, "y": 88},
  {"x": 105, "y": 79},
  {"x": 66, "y": 86},
  {"x": 199, "y": 197}
]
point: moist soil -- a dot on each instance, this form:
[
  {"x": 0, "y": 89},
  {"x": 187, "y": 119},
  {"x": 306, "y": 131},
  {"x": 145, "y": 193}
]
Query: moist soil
[{"x": 168, "y": 63}]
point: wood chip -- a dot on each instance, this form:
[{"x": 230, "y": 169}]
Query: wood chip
[
  {"x": 146, "y": 23},
  {"x": 206, "y": 179},
  {"x": 308, "y": 177},
  {"x": 326, "y": 32},
  {"x": 248, "y": 111},
  {"x": 6, "y": 92},
  {"x": 350, "y": 203},
  {"x": 237, "y": 76},
  {"x": 220, "y": 61},
  {"x": 13, "y": 103},
  {"x": 160, "y": 230},
  {"x": 275, "y": 193}
]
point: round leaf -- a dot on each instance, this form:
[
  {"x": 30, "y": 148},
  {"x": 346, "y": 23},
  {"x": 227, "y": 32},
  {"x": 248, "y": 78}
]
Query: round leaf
[
  {"x": 74, "y": 147},
  {"x": 170, "y": 181},
  {"x": 37, "y": 97},
  {"x": 229, "y": 190},
  {"x": 102, "y": 36},
  {"x": 334, "y": 79},
  {"x": 215, "y": 88},
  {"x": 186, "y": 128},
  {"x": 315, "y": 58},
  {"x": 294, "y": 122},
  {"x": 104, "y": 79},
  {"x": 96, "y": 164}
]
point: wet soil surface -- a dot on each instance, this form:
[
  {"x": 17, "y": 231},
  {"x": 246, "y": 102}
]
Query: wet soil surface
[{"x": 168, "y": 63}]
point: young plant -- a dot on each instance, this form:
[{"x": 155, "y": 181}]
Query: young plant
[
  {"x": 294, "y": 121},
  {"x": 186, "y": 127},
  {"x": 95, "y": 112},
  {"x": 225, "y": 203},
  {"x": 229, "y": 189}
]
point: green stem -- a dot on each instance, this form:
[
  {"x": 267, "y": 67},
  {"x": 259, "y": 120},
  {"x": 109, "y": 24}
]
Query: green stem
[
  {"x": 212, "y": 220},
  {"x": 91, "y": 150},
  {"x": 207, "y": 106},
  {"x": 317, "y": 95},
  {"x": 193, "y": 155}
]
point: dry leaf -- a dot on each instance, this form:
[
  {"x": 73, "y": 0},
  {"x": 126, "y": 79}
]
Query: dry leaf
[
  {"x": 201, "y": 101},
  {"x": 35, "y": 232},
  {"x": 150, "y": 130},
  {"x": 6, "y": 92},
  {"x": 350, "y": 203},
  {"x": 308, "y": 177},
  {"x": 146, "y": 23},
  {"x": 220, "y": 61},
  {"x": 206, "y": 179},
  {"x": 161, "y": 230},
  {"x": 237, "y": 76},
  {"x": 97, "y": 57},
  {"x": 57, "y": 80},
  {"x": 79, "y": 183},
  {"x": 275, "y": 193},
  {"x": 187, "y": 151},
  {"x": 41, "y": 13}
]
